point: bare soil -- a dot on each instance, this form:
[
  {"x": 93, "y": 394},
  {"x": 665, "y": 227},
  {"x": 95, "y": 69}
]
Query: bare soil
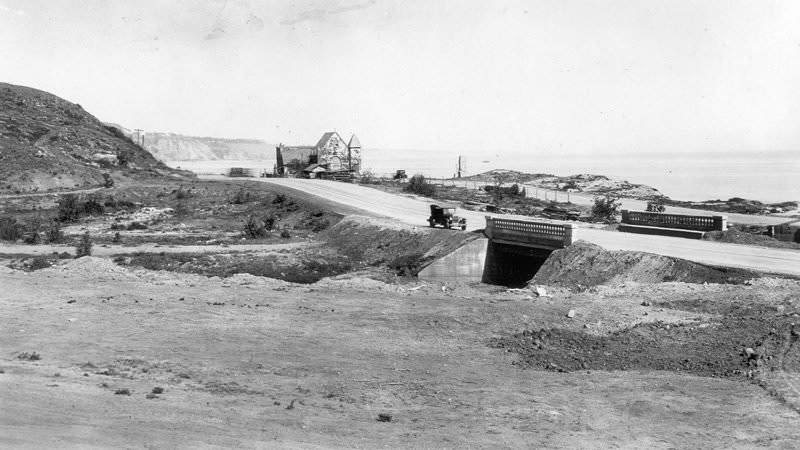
[{"x": 253, "y": 362}]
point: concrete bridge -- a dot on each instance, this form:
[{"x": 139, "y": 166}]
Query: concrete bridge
[
  {"x": 676, "y": 225},
  {"x": 518, "y": 248},
  {"x": 512, "y": 253}
]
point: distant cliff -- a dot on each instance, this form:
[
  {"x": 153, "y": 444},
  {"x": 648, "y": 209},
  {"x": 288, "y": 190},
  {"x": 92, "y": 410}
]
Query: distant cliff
[{"x": 177, "y": 147}]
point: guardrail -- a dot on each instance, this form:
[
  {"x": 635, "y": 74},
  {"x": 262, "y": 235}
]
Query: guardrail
[
  {"x": 530, "y": 233},
  {"x": 677, "y": 221}
]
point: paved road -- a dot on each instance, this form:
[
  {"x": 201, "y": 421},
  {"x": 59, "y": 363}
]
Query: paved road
[{"x": 414, "y": 210}]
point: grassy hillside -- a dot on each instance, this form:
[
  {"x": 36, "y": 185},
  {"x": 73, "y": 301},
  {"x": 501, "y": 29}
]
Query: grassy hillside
[{"x": 48, "y": 143}]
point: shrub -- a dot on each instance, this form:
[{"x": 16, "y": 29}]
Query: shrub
[
  {"x": 10, "y": 230},
  {"x": 137, "y": 226},
  {"x": 269, "y": 222},
  {"x": 39, "y": 263},
  {"x": 285, "y": 234},
  {"x": 92, "y": 207},
  {"x": 108, "y": 182},
  {"x": 182, "y": 193},
  {"x": 32, "y": 356},
  {"x": 406, "y": 265},
  {"x": 124, "y": 158},
  {"x": 254, "y": 228},
  {"x": 53, "y": 233},
  {"x": 69, "y": 208},
  {"x": 500, "y": 192},
  {"x": 181, "y": 210},
  {"x": 84, "y": 246},
  {"x": 367, "y": 177},
  {"x": 117, "y": 238},
  {"x": 32, "y": 235},
  {"x": 605, "y": 208},
  {"x": 418, "y": 185},
  {"x": 279, "y": 199},
  {"x": 240, "y": 197}
]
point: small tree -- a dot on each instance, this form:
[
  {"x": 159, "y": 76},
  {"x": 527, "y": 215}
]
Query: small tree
[
  {"x": 10, "y": 229},
  {"x": 124, "y": 158},
  {"x": 69, "y": 208},
  {"x": 108, "y": 182},
  {"x": 84, "y": 247},
  {"x": 53, "y": 233},
  {"x": 367, "y": 176},
  {"x": 93, "y": 207},
  {"x": 254, "y": 228},
  {"x": 605, "y": 208},
  {"x": 418, "y": 185}
]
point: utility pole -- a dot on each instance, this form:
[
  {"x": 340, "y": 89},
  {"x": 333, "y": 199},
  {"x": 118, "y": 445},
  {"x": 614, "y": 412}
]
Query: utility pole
[
  {"x": 139, "y": 137},
  {"x": 459, "y": 166}
]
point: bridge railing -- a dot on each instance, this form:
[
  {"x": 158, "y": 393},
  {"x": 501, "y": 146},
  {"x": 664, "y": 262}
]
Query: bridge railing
[
  {"x": 679, "y": 221},
  {"x": 530, "y": 233}
]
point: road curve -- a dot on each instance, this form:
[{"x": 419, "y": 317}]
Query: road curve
[{"x": 415, "y": 211}]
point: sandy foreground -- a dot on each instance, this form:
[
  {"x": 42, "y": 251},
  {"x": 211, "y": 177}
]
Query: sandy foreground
[{"x": 250, "y": 362}]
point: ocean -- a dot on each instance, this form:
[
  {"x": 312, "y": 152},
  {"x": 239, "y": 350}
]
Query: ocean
[{"x": 767, "y": 177}]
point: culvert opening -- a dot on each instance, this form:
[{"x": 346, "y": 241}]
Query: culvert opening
[{"x": 512, "y": 266}]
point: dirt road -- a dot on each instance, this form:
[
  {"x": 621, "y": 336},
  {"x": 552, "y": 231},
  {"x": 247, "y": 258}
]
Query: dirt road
[{"x": 414, "y": 210}]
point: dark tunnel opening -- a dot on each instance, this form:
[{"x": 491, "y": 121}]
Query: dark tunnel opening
[{"x": 511, "y": 265}]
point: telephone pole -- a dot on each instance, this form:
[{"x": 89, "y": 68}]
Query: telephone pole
[{"x": 139, "y": 137}]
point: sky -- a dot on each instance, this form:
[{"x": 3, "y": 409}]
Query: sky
[{"x": 573, "y": 76}]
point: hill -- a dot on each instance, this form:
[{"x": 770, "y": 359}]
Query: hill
[
  {"x": 48, "y": 143},
  {"x": 587, "y": 183},
  {"x": 178, "y": 147}
]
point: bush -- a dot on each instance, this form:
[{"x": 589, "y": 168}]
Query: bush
[
  {"x": 367, "y": 177},
  {"x": 181, "y": 210},
  {"x": 285, "y": 234},
  {"x": 108, "y": 182},
  {"x": 32, "y": 235},
  {"x": 93, "y": 207},
  {"x": 406, "y": 265},
  {"x": 269, "y": 222},
  {"x": 182, "y": 193},
  {"x": 53, "y": 233},
  {"x": 279, "y": 199},
  {"x": 69, "y": 208},
  {"x": 418, "y": 185},
  {"x": 32, "y": 356},
  {"x": 241, "y": 197},
  {"x": 39, "y": 263},
  {"x": 137, "y": 226},
  {"x": 117, "y": 238},
  {"x": 84, "y": 247},
  {"x": 254, "y": 228},
  {"x": 500, "y": 192},
  {"x": 605, "y": 208},
  {"x": 10, "y": 230}
]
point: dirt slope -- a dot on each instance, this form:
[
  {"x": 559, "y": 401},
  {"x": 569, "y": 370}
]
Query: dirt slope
[
  {"x": 48, "y": 143},
  {"x": 584, "y": 264}
]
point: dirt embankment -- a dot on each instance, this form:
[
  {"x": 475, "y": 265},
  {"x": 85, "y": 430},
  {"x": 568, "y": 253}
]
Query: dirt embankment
[
  {"x": 402, "y": 248},
  {"x": 584, "y": 264}
]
